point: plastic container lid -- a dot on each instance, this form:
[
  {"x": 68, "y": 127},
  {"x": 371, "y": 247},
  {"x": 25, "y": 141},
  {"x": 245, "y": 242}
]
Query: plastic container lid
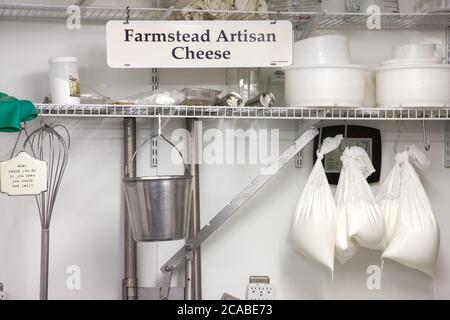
[
  {"x": 414, "y": 67},
  {"x": 327, "y": 66},
  {"x": 62, "y": 59}
]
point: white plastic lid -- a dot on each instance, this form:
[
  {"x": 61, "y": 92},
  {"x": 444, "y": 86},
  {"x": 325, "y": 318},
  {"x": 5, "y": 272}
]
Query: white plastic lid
[{"x": 62, "y": 59}]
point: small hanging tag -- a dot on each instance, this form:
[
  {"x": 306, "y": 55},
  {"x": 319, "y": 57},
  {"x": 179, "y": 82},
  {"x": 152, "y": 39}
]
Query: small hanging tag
[{"x": 23, "y": 175}]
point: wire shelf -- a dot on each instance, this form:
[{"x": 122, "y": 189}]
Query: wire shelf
[
  {"x": 219, "y": 112},
  {"x": 86, "y": 13},
  {"x": 326, "y": 20},
  {"x": 119, "y": 13}
]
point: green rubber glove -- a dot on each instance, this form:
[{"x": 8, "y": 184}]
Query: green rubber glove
[{"x": 13, "y": 112}]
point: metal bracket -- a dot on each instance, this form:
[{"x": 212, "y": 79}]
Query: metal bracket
[
  {"x": 165, "y": 289},
  {"x": 307, "y": 135},
  {"x": 299, "y": 156},
  {"x": 447, "y": 144},
  {"x": 447, "y": 44},
  {"x": 155, "y": 79},
  {"x": 154, "y": 152},
  {"x": 154, "y": 145},
  {"x": 2, "y": 293},
  {"x": 127, "y": 17},
  {"x": 276, "y": 18}
]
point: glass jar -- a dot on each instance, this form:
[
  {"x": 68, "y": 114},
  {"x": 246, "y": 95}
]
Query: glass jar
[
  {"x": 244, "y": 81},
  {"x": 275, "y": 84}
]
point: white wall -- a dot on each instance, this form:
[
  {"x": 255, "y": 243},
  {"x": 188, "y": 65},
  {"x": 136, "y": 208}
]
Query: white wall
[{"x": 87, "y": 225}]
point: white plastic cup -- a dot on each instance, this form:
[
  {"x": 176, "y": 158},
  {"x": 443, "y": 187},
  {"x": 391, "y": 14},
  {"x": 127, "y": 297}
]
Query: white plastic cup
[{"x": 64, "y": 80}]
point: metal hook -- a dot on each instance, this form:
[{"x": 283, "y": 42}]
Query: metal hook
[
  {"x": 345, "y": 134},
  {"x": 23, "y": 128},
  {"x": 397, "y": 139},
  {"x": 426, "y": 141},
  {"x": 276, "y": 18},
  {"x": 186, "y": 169},
  {"x": 320, "y": 135},
  {"x": 127, "y": 18},
  {"x": 43, "y": 124},
  {"x": 17, "y": 141}
]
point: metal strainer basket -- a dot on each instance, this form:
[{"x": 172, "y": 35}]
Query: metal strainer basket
[{"x": 159, "y": 206}]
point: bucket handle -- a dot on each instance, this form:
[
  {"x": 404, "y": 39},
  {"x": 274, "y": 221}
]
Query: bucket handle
[{"x": 129, "y": 164}]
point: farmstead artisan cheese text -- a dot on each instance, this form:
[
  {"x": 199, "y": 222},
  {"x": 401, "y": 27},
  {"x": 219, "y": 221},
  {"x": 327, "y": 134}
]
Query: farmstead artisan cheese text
[
  {"x": 199, "y": 44},
  {"x": 185, "y": 52}
]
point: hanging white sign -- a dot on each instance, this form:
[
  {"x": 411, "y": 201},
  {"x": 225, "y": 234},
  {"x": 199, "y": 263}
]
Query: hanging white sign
[
  {"x": 23, "y": 175},
  {"x": 198, "y": 44}
]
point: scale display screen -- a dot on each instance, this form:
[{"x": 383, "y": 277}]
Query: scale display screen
[{"x": 333, "y": 163}]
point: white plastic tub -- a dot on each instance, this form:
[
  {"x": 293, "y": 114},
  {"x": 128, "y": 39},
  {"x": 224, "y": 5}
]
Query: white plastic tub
[
  {"x": 418, "y": 86},
  {"x": 326, "y": 86}
]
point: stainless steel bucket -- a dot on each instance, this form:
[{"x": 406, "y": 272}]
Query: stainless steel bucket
[{"x": 159, "y": 207}]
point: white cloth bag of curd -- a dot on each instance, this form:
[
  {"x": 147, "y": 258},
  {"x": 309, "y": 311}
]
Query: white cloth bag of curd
[
  {"x": 389, "y": 198},
  {"x": 415, "y": 239},
  {"x": 313, "y": 228},
  {"x": 360, "y": 221}
]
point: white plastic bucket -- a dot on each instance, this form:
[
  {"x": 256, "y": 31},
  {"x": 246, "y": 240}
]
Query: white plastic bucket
[
  {"x": 326, "y": 86},
  {"x": 419, "y": 86}
]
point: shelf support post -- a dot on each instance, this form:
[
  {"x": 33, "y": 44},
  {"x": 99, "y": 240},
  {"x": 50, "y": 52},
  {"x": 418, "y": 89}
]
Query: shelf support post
[
  {"x": 193, "y": 271},
  {"x": 130, "y": 281}
]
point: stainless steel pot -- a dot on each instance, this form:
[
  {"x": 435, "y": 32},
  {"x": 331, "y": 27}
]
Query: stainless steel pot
[{"x": 159, "y": 207}]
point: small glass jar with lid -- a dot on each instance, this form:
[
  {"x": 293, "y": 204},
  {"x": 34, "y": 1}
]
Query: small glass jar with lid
[
  {"x": 275, "y": 84},
  {"x": 244, "y": 81}
]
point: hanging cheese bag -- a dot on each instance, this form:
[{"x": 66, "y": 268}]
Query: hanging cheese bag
[
  {"x": 388, "y": 199},
  {"x": 360, "y": 221},
  {"x": 313, "y": 228},
  {"x": 415, "y": 242}
]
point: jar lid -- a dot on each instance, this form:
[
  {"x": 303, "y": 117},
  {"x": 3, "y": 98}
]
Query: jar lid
[
  {"x": 279, "y": 73},
  {"x": 62, "y": 59},
  {"x": 267, "y": 99}
]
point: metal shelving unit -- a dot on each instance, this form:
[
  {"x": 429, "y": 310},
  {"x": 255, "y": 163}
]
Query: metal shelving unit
[
  {"x": 325, "y": 20},
  {"x": 216, "y": 112},
  {"x": 304, "y": 23}
]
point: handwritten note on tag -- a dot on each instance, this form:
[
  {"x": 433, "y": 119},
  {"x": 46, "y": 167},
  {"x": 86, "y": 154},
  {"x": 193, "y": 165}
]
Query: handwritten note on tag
[{"x": 23, "y": 175}]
